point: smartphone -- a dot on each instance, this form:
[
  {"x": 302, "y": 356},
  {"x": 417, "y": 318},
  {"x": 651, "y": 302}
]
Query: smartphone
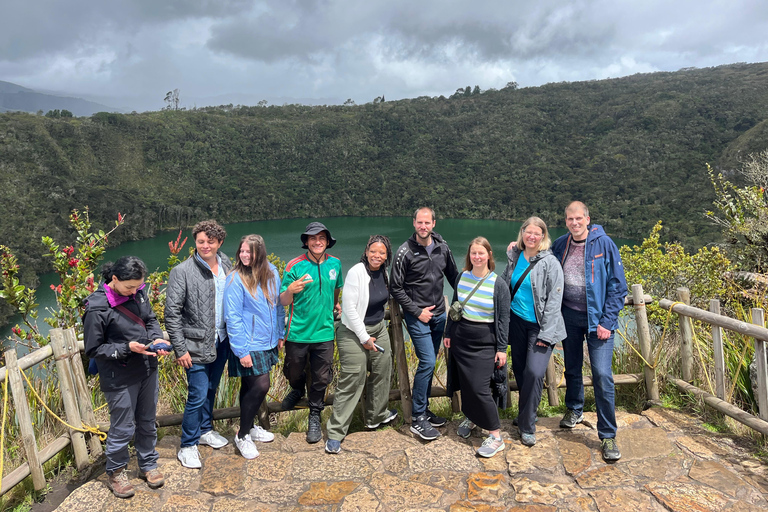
[{"x": 380, "y": 349}]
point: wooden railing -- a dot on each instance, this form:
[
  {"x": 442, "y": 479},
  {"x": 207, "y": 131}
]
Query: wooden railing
[{"x": 65, "y": 349}]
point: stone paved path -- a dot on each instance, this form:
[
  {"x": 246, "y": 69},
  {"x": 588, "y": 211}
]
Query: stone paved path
[{"x": 669, "y": 463}]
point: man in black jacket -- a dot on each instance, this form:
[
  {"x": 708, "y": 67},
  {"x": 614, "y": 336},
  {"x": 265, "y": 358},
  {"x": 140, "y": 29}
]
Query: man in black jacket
[
  {"x": 417, "y": 284},
  {"x": 194, "y": 319}
]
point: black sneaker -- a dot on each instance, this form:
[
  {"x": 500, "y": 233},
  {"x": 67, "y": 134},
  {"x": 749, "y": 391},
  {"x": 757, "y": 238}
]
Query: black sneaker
[
  {"x": 571, "y": 419},
  {"x": 314, "y": 434},
  {"x": 421, "y": 427},
  {"x": 435, "y": 420},
  {"x": 610, "y": 450},
  {"x": 292, "y": 398},
  {"x": 391, "y": 415}
]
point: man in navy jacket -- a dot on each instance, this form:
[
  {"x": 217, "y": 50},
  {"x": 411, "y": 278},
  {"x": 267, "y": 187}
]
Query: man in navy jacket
[{"x": 593, "y": 296}]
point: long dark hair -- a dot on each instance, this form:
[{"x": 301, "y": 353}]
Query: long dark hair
[
  {"x": 258, "y": 272},
  {"x": 125, "y": 269},
  {"x": 364, "y": 258}
]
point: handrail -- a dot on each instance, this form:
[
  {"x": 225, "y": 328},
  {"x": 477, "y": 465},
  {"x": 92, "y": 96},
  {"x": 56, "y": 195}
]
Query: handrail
[{"x": 751, "y": 330}]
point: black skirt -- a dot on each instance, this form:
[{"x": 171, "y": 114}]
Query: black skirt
[{"x": 473, "y": 351}]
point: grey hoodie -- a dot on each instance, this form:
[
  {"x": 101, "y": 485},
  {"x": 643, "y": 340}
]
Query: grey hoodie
[{"x": 547, "y": 285}]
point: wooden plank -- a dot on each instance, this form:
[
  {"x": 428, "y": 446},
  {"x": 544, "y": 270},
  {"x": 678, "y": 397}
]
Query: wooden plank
[
  {"x": 686, "y": 344},
  {"x": 723, "y": 406},
  {"x": 717, "y": 350},
  {"x": 24, "y": 419},
  {"x": 83, "y": 393},
  {"x": 758, "y": 318},
  {"x": 16, "y": 476},
  {"x": 67, "y": 388},
  {"x": 725, "y": 322},
  {"x": 401, "y": 361},
  {"x": 30, "y": 360},
  {"x": 644, "y": 337}
]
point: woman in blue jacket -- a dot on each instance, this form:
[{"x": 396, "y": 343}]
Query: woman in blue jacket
[{"x": 256, "y": 329}]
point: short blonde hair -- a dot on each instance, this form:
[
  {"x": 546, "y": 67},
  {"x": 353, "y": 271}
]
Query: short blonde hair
[{"x": 545, "y": 242}]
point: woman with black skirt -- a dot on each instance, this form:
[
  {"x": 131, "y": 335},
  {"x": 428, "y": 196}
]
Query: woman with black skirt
[{"x": 478, "y": 343}]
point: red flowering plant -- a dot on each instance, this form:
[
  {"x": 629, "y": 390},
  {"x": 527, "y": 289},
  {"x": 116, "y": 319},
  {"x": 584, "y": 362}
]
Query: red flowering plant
[{"x": 75, "y": 265}]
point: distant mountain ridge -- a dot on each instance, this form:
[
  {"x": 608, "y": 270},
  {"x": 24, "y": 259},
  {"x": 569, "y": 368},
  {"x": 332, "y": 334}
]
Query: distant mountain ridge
[{"x": 17, "y": 98}]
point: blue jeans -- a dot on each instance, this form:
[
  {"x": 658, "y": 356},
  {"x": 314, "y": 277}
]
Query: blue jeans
[
  {"x": 600, "y": 357},
  {"x": 202, "y": 383},
  {"x": 426, "y": 339}
]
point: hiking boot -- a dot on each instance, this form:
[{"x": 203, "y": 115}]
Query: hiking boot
[
  {"x": 491, "y": 446},
  {"x": 292, "y": 398},
  {"x": 189, "y": 457},
  {"x": 314, "y": 433},
  {"x": 333, "y": 446},
  {"x": 391, "y": 415},
  {"x": 571, "y": 419},
  {"x": 610, "y": 450},
  {"x": 119, "y": 485},
  {"x": 259, "y": 434},
  {"x": 435, "y": 420},
  {"x": 465, "y": 428},
  {"x": 213, "y": 439},
  {"x": 247, "y": 448},
  {"x": 421, "y": 427},
  {"x": 527, "y": 439},
  {"x": 153, "y": 477}
]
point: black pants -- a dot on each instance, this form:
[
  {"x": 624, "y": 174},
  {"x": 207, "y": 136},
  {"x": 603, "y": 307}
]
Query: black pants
[
  {"x": 320, "y": 357},
  {"x": 529, "y": 364}
]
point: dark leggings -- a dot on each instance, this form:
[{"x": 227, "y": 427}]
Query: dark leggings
[{"x": 253, "y": 390}]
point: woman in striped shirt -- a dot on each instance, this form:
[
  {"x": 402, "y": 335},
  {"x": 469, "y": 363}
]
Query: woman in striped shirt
[{"x": 478, "y": 343}]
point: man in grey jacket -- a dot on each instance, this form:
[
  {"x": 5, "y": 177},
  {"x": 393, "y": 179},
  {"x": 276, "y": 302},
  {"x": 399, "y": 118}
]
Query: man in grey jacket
[{"x": 194, "y": 319}]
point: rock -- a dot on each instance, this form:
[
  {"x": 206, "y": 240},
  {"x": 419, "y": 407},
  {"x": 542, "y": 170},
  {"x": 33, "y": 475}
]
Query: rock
[
  {"x": 87, "y": 498},
  {"x": 399, "y": 494},
  {"x": 191, "y": 502},
  {"x": 622, "y": 500},
  {"x": 323, "y": 493},
  {"x": 524, "y": 459},
  {"x": 605, "y": 476},
  {"x": 687, "y": 497},
  {"x": 141, "y": 501},
  {"x": 344, "y": 466},
  {"x": 718, "y": 476},
  {"x": 362, "y": 500},
  {"x": 178, "y": 478},
  {"x": 531, "y": 491},
  {"x": 239, "y": 505},
  {"x": 466, "y": 506},
  {"x": 271, "y": 466},
  {"x": 486, "y": 487},
  {"x": 448, "y": 480},
  {"x": 642, "y": 443},
  {"x": 378, "y": 443},
  {"x": 441, "y": 454},
  {"x": 223, "y": 475},
  {"x": 700, "y": 447},
  {"x": 575, "y": 453},
  {"x": 660, "y": 469}
]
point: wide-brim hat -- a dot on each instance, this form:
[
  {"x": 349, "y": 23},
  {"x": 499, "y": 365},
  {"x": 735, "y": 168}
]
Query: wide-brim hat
[{"x": 313, "y": 228}]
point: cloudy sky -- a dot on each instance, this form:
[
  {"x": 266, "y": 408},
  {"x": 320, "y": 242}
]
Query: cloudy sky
[{"x": 359, "y": 49}]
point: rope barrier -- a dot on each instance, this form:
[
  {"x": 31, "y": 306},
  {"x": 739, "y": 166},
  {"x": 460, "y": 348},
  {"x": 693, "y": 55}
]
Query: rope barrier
[{"x": 85, "y": 428}]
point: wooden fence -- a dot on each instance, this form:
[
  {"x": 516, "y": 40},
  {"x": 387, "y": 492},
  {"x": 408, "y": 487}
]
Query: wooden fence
[{"x": 65, "y": 349}]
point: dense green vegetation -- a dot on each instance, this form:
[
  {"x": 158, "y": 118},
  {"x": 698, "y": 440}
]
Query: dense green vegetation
[{"x": 633, "y": 148}]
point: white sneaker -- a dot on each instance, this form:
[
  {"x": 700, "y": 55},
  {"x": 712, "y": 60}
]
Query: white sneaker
[
  {"x": 263, "y": 436},
  {"x": 189, "y": 457},
  {"x": 213, "y": 439},
  {"x": 246, "y": 447}
]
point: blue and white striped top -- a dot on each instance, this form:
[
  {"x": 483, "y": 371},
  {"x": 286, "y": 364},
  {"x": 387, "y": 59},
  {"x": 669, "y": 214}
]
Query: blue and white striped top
[{"x": 479, "y": 308}]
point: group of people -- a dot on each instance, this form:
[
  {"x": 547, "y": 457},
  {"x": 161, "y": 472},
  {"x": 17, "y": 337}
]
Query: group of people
[{"x": 568, "y": 291}]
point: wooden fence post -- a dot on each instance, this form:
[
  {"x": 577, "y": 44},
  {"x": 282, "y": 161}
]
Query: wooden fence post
[
  {"x": 552, "y": 383},
  {"x": 686, "y": 344},
  {"x": 61, "y": 355},
  {"x": 762, "y": 371},
  {"x": 25, "y": 420},
  {"x": 717, "y": 348},
  {"x": 644, "y": 336},
  {"x": 83, "y": 395},
  {"x": 398, "y": 343}
]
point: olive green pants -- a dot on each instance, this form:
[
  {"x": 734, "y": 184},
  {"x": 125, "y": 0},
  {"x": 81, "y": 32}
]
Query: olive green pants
[{"x": 356, "y": 362}]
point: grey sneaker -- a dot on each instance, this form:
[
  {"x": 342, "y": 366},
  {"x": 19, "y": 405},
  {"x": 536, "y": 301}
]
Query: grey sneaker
[
  {"x": 391, "y": 415},
  {"x": 610, "y": 450},
  {"x": 333, "y": 446},
  {"x": 571, "y": 419},
  {"x": 314, "y": 433},
  {"x": 491, "y": 446},
  {"x": 421, "y": 427},
  {"x": 465, "y": 428},
  {"x": 528, "y": 439}
]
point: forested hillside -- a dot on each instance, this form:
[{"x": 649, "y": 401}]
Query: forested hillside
[{"x": 633, "y": 148}]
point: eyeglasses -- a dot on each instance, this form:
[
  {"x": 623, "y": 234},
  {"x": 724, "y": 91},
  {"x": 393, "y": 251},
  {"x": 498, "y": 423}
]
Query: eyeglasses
[{"x": 533, "y": 235}]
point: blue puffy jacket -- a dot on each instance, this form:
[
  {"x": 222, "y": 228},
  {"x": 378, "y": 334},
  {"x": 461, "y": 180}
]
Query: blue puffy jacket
[
  {"x": 252, "y": 324},
  {"x": 606, "y": 284}
]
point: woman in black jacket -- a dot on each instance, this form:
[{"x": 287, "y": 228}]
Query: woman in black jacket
[{"x": 124, "y": 338}]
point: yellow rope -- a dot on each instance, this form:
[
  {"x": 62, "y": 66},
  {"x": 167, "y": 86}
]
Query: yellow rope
[
  {"x": 100, "y": 407},
  {"x": 85, "y": 428},
  {"x": 2, "y": 427}
]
